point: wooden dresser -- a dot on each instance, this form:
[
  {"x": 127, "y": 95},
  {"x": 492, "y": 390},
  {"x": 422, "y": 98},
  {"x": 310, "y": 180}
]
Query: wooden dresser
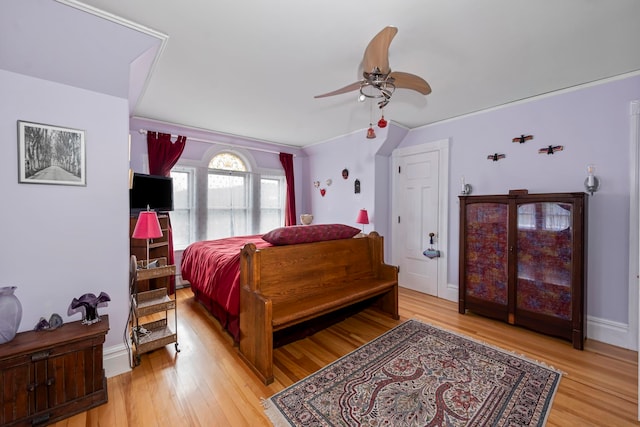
[{"x": 47, "y": 376}]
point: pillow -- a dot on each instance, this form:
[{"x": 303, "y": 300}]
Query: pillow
[{"x": 309, "y": 233}]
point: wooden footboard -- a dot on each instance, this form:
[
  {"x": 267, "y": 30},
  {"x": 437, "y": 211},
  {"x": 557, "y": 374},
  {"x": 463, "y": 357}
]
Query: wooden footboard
[{"x": 282, "y": 286}]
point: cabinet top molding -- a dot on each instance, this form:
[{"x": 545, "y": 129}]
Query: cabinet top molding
[{"x": 523, "y": 194}]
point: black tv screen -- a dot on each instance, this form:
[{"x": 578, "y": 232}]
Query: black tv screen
[{"x": 153, "y": 191}]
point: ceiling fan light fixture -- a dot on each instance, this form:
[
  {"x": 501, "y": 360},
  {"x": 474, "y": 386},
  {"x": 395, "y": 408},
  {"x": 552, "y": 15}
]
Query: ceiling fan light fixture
[
  {"x": 376, "y": 89},
  {"x": 366, "y": 92},
  {"x": 378, "y": 74}
]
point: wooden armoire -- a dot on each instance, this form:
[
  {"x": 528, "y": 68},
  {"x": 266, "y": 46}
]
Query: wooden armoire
[{"x": 523, "y": 260}]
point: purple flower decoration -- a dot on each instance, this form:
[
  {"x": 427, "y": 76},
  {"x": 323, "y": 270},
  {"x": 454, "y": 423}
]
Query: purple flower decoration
[{"x": 90, "y": 302}]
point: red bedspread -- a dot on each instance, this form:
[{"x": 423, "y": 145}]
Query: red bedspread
[{"x": 213, "y": 269}]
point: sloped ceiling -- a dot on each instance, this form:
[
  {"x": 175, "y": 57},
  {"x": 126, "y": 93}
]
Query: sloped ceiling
[
  {"x": 48, "y": 40},
  {"x": 251, "y": 68}
]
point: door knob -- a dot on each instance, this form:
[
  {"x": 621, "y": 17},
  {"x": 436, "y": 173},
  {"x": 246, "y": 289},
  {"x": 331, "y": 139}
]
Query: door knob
[{"x": 432, "y": 252}]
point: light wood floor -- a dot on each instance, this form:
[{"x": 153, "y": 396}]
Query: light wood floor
[{"x": 206, "y": 384}]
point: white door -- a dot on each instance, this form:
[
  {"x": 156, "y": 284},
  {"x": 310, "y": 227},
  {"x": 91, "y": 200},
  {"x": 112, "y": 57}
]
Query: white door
[
  {"x": 418, "y": 198},
  {"x": 634, "y": 228}
]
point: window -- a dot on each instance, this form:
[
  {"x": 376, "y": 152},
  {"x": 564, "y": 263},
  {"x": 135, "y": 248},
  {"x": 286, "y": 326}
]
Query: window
[
  {"x": 527, "y": 216},
  {"x": 272, "y": 200},
  {"x": 227, "y": 161},
  {"x": 546, "y": 216},
  {"x": 225, "y": 199},
  {"x": 557, "y": 216},
  {"x": 228, "y": 206},
  {"x": 183, "y": 214}
]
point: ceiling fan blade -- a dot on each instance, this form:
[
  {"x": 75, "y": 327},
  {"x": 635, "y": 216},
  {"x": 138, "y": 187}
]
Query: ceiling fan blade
[
  {"x": 410, "y": 81},
  {"x": 348, "y": 88},
  {"x": 377, "y": 52}
]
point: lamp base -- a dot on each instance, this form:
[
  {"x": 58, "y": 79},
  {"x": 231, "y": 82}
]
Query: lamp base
[{"x": 592, "y": 188}]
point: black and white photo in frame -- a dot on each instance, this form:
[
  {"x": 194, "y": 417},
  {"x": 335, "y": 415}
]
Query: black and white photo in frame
[{"x": 50, "y": 154}]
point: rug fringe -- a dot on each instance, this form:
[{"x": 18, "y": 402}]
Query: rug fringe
[{"x": 274, "y": 415}]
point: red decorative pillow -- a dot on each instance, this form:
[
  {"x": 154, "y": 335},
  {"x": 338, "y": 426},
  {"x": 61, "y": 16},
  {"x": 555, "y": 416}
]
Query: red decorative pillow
[{"x": 309, "y": 233}]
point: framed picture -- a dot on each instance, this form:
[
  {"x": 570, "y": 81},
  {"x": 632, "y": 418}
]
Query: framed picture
[{"x": 50, "y": 155}]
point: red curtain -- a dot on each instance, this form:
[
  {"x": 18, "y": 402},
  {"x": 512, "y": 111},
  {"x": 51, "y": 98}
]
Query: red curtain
[
  {"x": 290, "y": 204},
  {"x": 163, "y": 155}
]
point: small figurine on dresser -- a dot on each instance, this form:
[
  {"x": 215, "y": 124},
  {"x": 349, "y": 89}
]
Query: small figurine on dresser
[
  {"x": 54, "y": 322},
  {"x": 89, "y": 304}
]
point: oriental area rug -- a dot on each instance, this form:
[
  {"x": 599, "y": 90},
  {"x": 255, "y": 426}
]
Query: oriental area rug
[{"x": 420, "y": 375}]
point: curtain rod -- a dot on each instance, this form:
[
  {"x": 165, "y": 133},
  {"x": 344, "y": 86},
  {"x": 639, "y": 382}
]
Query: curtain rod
[{"x": 264, "y": 150}]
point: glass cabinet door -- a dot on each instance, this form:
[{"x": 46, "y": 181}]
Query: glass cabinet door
[
  {"x": 486, "y": 252},
  {"x": 544, "y": 242}
]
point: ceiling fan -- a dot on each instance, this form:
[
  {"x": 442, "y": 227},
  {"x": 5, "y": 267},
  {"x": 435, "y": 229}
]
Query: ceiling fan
[{"x": 379, "y": 81}]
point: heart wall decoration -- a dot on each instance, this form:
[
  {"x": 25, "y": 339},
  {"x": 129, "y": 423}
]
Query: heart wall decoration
[{"x": 323, "y": 192}]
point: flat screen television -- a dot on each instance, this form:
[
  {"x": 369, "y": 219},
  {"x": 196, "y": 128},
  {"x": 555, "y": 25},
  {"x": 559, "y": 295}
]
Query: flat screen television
[{"x": 153, "y": 191}]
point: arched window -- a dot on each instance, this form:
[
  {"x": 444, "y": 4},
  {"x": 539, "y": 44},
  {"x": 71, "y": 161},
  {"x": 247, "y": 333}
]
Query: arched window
[
  {"x": 227, "y": 161},
  {"x": 225, "y": 198}
]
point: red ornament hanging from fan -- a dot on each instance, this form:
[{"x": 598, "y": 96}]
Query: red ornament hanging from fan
[
  {"x": 382, "y": 123},
  {"x": 370, "y": 132}
]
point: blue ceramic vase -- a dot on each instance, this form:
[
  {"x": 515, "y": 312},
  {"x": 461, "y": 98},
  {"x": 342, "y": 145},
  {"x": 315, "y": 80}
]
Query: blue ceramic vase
[{"x": 10, "y": 313}]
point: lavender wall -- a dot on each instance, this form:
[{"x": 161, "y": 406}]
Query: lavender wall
[
  {"x": 367, "y": 160},
  {"x": 341, "y": 204},
  {"x": 593, "y": 125},
  {"x": 60, "y": 242},
  {"x": 197, "y": 152}
]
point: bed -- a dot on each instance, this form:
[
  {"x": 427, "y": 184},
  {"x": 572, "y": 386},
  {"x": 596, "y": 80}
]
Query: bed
[
  {"x": 213, "y": 269},
  {"x": 213, "y": 266}
]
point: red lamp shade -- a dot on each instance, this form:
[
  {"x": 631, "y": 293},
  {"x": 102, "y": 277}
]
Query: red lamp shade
[
  {"x": 363, "y": 217},
  {"x": 147, "y": 227}
]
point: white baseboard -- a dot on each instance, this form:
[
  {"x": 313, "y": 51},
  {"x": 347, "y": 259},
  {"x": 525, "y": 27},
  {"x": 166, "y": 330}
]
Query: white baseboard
[
  {"x": 606, "y": 331},
  {"x": 609, "y": 332},
  {"x": 452, "y": 293},
  {"x": 116, "y": 360}
]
